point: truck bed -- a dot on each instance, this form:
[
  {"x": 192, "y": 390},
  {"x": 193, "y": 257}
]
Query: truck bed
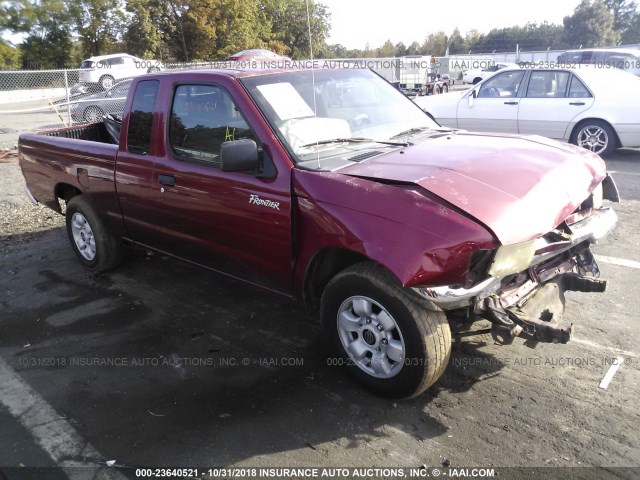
[
  {"x": 94, "y": 132},
  {"x": 58, "y": 163}
]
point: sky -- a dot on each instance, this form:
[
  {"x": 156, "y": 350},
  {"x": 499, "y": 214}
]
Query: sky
[{"x": 354, "y": 23}]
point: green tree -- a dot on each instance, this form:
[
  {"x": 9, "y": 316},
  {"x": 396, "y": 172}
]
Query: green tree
[
  {"x": 632, "y": 33},
  {"x": 435, "y": 44},
  {"x": 387, "y": 50},
  {"x": 624, "y": 13},
  {"x": 49, "y": 24},
  {"x": 142, "y": 38},
  {"x": 288, "y": 22},
  {"x": 9, "y": 56},
  {"x": 100, "y": 24},
  {"x": 53, "y": 51},
  {"x": 456, "y": 43},
  {"x": 591, "y": 25}
]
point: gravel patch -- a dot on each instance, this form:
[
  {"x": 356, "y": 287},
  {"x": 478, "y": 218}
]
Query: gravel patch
[{"x": 20, "y": 220}]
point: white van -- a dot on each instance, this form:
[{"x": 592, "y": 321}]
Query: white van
[
  {"x": 106, "y": 70},
  {"x": 623, "y": 58}
]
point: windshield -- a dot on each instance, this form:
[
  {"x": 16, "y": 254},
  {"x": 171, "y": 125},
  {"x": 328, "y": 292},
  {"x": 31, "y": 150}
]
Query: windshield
[{"x": 351, "y": 111}]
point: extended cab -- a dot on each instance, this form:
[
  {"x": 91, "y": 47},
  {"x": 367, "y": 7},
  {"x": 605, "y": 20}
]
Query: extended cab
[{"x": 332, "y": 186}]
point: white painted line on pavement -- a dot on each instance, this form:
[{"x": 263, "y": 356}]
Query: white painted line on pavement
[
  {"x": 611, "y": 372},
  {"x": 623, "y": 173},
  {"x": 617, "y": 351},
  {"x": 622, "y": 262},
  {"x": 51, "y": 431}
]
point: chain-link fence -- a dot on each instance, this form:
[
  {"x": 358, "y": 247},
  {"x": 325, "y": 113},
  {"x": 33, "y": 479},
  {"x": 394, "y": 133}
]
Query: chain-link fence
[{"x": 33, "y": 100}]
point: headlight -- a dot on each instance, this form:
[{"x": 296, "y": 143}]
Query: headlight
[{"x": 512, "y": 258}]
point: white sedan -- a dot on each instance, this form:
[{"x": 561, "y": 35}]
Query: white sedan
[{"x": 595, "y": 108}]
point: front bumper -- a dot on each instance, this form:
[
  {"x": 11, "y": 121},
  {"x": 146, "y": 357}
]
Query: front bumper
[{"x": 530, "y": 302}]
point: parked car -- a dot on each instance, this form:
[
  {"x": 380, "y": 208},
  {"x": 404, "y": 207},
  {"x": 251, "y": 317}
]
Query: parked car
[
  {"x": 476, "y": 75},
  {"x": 256, "y": 54},
  {"x": 333, "y": 187},
  {"x": 623, "y": 58},
  {"x": 588, "y": 106},
  {"x": 105, "y": 70},
  {"x": 78, "y": 91},
  {"x": 92, "y": 108}
]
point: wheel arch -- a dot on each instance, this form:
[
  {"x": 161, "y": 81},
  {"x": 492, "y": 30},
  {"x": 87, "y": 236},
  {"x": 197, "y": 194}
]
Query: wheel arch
[
  {"x": 64, "y": 191},
  {"x": 582, "y": 121},
  {"x": 323, "y": 266}
]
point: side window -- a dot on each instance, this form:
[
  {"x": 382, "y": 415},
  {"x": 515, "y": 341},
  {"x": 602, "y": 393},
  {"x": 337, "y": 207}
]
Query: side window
[
  {"x": 586, "y": 57},
  {"x": 116, "y": 61},
  {"x": 202, "y": 118},
  {"x": 502, "y": 85},
  {"x": 621, "y": 60},
  {"x": 547, "y": 84},
  {"x": 141, "y": 118},
  {"x": 577, "y": 89}
]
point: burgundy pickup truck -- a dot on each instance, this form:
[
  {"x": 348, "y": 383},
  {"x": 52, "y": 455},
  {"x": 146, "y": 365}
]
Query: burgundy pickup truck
[{"x": 332, "y": 186}]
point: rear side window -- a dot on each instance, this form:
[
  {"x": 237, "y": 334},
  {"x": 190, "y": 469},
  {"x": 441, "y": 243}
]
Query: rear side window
[
  {"x": 141, "y": 118},
  {"x": 202, "y": 118},
  {"x": 547, "y": 84},
  {"x": 577, "y": 89}
]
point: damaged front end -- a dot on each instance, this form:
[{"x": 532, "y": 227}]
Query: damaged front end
[{"x": 520, "y": 288}]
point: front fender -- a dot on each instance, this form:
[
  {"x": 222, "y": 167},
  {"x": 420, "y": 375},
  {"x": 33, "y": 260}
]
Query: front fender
[{"x": 420, "y": 241}]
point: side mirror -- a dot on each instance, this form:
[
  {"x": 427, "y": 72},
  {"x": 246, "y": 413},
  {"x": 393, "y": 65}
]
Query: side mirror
[{"x": 239, "y": 156}]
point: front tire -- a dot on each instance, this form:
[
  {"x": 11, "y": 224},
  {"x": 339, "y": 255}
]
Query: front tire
[
  {"x": 106, "y": 82},
  {"x": 595, "y": 135},
  {"x": 97, "y": 248},
  {"x": 391, "y": 341}
]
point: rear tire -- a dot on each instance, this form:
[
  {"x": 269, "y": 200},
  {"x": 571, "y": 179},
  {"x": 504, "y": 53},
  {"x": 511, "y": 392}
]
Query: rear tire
[
  {"x": 595, "y": 135},
  {"x": 445, "y": 88},
  {"x": 391, "y": 341},
  {"x": 97, "y": 248},
  {"x": 93, "y": 114},
  {"x": 435, "y": 90}
]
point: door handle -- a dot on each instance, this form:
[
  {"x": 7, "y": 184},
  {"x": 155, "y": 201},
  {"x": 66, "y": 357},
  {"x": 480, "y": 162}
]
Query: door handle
[
  {"x": 167, "y": 180},
  {"x": 576, "y": 103},
  {"x": 510, "y": 103}
]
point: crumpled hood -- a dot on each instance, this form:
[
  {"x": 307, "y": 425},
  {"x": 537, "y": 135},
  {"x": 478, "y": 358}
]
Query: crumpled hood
[{"x": 518, "y": 187}]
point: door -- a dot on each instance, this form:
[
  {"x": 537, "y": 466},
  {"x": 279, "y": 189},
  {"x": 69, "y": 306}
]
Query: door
[
  {"x": 552, "y": 100},
  {"x": 493, "y": 105},
  {"x": 234, "y": 222},
  {"x": 135, "y": 164}
]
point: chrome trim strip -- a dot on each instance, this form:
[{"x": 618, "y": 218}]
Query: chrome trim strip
[
  {"x": 448, "y": 298},
  {"x": 591, "y": 228}
]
